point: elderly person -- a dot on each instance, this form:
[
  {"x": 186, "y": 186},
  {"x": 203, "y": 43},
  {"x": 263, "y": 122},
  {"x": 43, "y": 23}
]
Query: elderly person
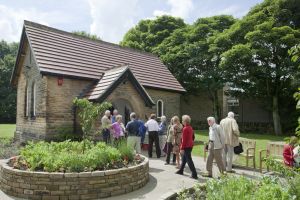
[
  {"x": 133, "y": 139},
  {"x": 106, "y": 126},
  {"x": 162, "y": 133},
  {"x": 288, "y": 153},
  {"x": 231, "y": 133},
  {"x": 152, "y": 127},
  {"x": 170, "y": 138},
  {"x": 113, "y": 118},
  {"x": 118, "y": 129},
  {"x": 187, "y": 143},
  {"x": 177, "y": 133},
  {"x": 215, "y": 146}
]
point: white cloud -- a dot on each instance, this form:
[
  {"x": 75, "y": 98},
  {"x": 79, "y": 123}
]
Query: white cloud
[
  {"x": 234, "y": 10},
  {"x": 179, "y": 8},
  {"x": 112, "y": 19},
  {"x": 11, "y": 20}
]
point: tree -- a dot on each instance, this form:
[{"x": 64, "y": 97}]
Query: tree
[
  {"x": 7, "y": 93},
  {"x": 148, "y": 34},
  {"x": 87, "y": 35},
  {"x": 188, "y": 56},
  {"x": 295, "y": 53},
  {"x": 257, "y": 64},
  {"x": 88, "y": 113}
]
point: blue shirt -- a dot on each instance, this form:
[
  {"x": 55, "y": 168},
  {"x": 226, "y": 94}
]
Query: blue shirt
[
  {"x": 142, "y": 130},
  {"x": 162, "y": 128},
  {"x": 113, "y": 119},
  {"x": 133, "y": 128}
]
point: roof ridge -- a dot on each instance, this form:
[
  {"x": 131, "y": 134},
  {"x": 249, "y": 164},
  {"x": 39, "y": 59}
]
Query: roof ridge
[
  {"x": 45, "y": 27},
  {"x": 117, "y": 67}
]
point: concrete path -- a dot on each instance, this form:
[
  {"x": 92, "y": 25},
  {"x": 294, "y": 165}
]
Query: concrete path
[{"x": 163, "y": 180}]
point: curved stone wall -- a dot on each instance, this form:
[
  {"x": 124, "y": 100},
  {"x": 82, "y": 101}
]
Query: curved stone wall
[{"x": 72, "y": 186}]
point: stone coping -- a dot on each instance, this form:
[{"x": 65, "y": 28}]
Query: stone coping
[{"x": 84, "y": 185}]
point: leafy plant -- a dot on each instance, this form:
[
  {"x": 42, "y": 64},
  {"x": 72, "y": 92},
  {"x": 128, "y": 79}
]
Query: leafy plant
[
  {"x": 88, "y": 113},
  {"x": 276, "y": 166},
  {"x": 70, "y": 156}
]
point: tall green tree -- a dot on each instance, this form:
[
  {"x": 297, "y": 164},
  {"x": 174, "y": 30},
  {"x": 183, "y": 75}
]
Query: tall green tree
[
  {"x": 188, "y": 56},
  {"x": 256, "y": 61},
  {"x": 148, "y": 34},
  {"x": 7, "y": 93}
]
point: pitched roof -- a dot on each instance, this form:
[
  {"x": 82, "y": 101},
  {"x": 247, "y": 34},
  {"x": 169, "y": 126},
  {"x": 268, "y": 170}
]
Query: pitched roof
[
  {"x": 111, "y": 79},
  {"x": 61, "y": 53}
]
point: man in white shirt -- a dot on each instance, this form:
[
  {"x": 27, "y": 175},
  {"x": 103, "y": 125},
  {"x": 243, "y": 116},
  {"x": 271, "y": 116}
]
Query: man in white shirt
[
  {"x": 153, "y": 128},
  {"x": 215, "y": 146}
]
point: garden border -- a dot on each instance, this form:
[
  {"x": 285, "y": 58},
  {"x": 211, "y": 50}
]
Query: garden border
[{"x": 73, "y": 186}]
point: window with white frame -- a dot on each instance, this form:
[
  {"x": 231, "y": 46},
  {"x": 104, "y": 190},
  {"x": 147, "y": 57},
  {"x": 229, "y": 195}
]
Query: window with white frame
[
  {"x": 160, "y": 108},
  {"x": 33, "y": 100}
]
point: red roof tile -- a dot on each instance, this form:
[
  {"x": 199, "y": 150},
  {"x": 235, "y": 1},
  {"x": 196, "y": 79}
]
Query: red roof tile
[{"x": 61, "y": 53}]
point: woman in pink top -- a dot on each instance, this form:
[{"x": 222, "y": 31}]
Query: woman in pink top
[{"x": 118, "y": 128}]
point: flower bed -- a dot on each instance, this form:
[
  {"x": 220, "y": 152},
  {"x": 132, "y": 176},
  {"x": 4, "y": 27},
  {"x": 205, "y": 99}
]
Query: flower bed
[
  {"x": 37, "y": 174},
  {"x": 70, "y": 156}
]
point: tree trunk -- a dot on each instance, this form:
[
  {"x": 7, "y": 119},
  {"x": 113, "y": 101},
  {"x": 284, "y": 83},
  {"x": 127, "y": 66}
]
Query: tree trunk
[
  {"x": 276, "y": 117},
  {"x": 216, "y": 106}
]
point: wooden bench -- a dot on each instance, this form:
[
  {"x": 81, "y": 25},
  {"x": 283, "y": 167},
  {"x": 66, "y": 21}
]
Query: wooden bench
[
  {"x": 249, "y": 147},
  {"x": 274, "y": 149}
]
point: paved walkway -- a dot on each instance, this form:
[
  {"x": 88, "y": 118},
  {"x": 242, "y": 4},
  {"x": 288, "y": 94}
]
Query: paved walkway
[{"x": 163, "y": 180}]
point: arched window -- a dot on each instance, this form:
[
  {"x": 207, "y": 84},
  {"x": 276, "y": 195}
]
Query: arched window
[
  {"x": 160, "y": 108},
  {"x": 33, "y": 99},
  {"x": 26, "y": 100}
]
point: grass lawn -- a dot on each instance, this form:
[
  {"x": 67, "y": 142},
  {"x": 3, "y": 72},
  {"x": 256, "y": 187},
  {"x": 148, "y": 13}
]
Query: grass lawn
[
  {"x": 7, "y": 130},
  {"x": 261, "y": 143}
]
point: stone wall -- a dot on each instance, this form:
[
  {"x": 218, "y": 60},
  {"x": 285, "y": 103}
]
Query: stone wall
[
  {"x": 127, "y": 91},
  {"x": 72, "y": 186},
  {"x": 29, "y": 127},
  {"x": 60, "y": 111},
  {"x": 171, "y": 102}
]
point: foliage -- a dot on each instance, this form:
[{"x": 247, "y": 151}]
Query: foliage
[
  {"x": 70, "y": 156},
  {"x": 87, "y": 35},
  {"x": 234, "y": 187},
  {"x": 188, "y": 56},
  {"x": 126, "y": 151},
  {"x": 297, "y": 97},
  {"x": 280, "y": 168},
  {"x": 66, "y": 133},
  {"x": 295, "y": 53},
  {"x": 148, "y": 34},
  {"x": 88, "y": 113},
  {"x": 7, "y": 93},
  {"x": 257, "y": 62},
  {"x": 8, "y": 148}
]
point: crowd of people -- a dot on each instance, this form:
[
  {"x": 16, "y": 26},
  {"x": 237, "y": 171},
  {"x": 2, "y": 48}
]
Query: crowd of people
[{"x": 176, "y": 140}]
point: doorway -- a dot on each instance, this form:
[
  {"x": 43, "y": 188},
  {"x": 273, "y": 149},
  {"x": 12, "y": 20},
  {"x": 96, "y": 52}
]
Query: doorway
[{"x": 124, "y": 108}]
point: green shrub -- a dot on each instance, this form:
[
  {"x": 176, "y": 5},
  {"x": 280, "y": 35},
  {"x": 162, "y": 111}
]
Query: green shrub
[
  {"x": 230, "y": 188},
  {"x": 240, "y": 188},
  {"x": 70, "y": 156},
  {"x": 127, "y": 153},
  {"x": 294, "y": 186},
  {"x": 8, "y": 148}
]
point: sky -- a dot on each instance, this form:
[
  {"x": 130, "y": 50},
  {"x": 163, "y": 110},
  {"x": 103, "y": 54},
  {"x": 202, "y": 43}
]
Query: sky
[{"x": 109, "y": 19}]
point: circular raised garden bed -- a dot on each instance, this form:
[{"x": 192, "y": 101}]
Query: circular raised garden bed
[{"x": 84, "y": 185}]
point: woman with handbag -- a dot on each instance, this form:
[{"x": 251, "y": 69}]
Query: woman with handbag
[
  {"x": 169, "y": 145},
  {"x": 177, "y": 127}
]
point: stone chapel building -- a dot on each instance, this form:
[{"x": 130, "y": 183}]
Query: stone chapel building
[{"x": 53, "y": 67}]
